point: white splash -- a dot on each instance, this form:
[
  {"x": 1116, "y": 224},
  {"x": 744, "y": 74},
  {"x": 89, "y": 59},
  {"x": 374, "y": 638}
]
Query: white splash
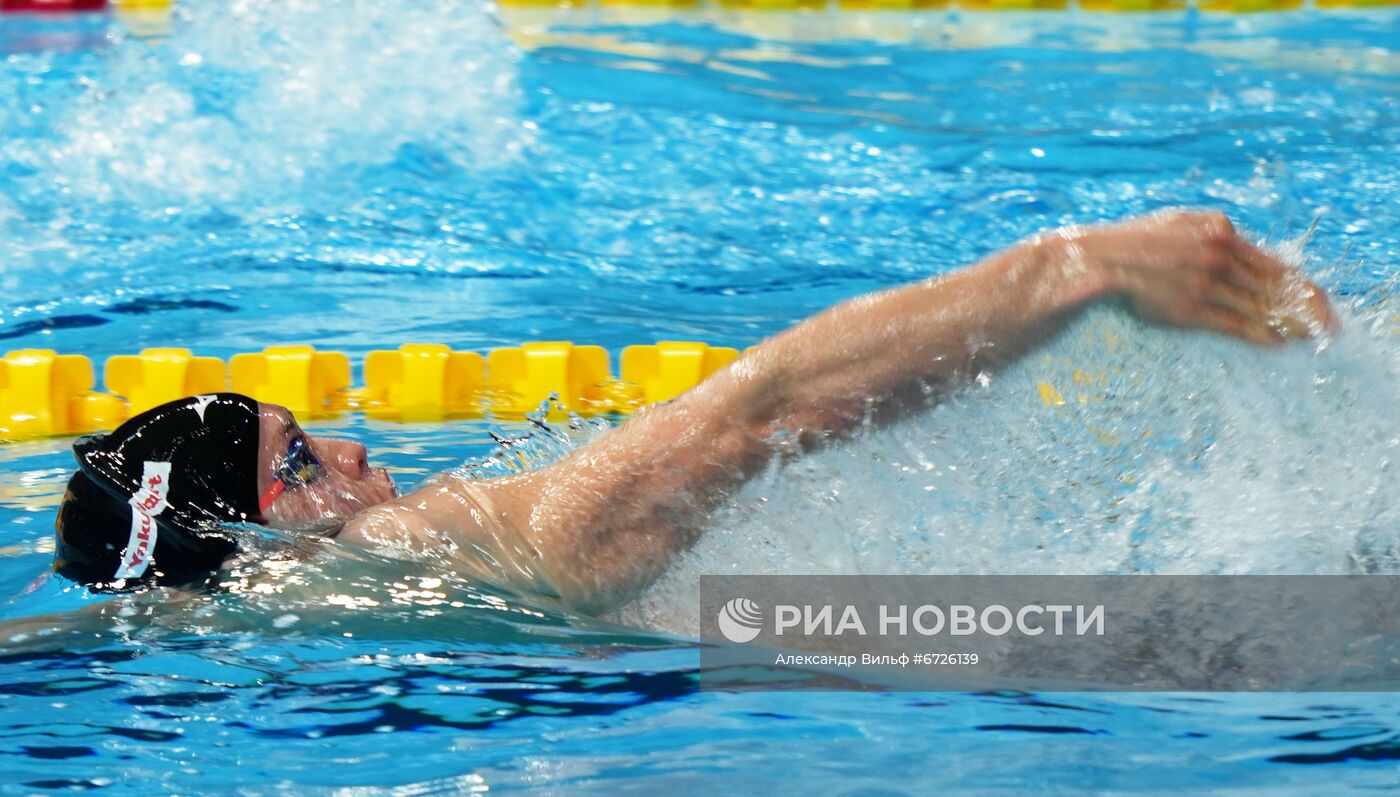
[
  {"x": 1117, "y": 448},
  {"x": 261, "y": 97}
]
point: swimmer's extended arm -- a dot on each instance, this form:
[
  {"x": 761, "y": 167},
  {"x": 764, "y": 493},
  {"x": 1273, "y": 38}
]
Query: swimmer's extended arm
[{"x": 598, "y": 526}]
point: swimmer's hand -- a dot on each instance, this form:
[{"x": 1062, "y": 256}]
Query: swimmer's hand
[{"x": 1194, "y": 270}]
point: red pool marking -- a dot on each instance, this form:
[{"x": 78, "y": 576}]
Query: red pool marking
[{"x": 53, "y": 6}]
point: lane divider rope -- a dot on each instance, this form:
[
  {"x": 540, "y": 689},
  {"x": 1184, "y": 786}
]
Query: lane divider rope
[{"x": 45, "y": 393}]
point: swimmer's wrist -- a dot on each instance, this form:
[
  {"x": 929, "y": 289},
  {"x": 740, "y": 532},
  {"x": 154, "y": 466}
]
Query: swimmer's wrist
[{"x": 1072, "y": 267}]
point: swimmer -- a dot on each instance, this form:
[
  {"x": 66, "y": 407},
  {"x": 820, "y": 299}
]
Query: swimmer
[{"x": 150, "y": 502}]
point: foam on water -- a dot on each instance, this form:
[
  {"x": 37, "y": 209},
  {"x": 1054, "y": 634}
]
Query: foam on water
[
  {"x": 1171, "y": 452},
  {"x": 255, "y": 99}
]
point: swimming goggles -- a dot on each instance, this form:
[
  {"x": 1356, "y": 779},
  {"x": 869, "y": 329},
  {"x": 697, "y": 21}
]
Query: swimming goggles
[{"x": 299, "y": 467}]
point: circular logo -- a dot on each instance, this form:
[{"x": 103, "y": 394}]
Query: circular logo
[{"x": 740, "y": 620}]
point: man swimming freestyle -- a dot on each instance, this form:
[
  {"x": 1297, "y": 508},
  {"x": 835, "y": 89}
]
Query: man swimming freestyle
[{"x": 150, "y": 502}]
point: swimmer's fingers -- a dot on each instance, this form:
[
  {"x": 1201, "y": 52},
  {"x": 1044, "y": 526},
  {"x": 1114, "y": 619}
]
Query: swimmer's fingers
[
  {"x": 1260, "y": 264},
  {"x": 1227, "y": 267},
  {"x": 1246, "y": 302},
  {"x": 1303, "y": 310},
  {"x": 1287, "y": 319},
  {"x": 1298, "y": 305},
  {"x": 1236, "y": 325},
  {"x": 1323, "y": 310}
]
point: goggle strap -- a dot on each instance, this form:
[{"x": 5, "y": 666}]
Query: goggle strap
[{"x": 271, "y": 495}]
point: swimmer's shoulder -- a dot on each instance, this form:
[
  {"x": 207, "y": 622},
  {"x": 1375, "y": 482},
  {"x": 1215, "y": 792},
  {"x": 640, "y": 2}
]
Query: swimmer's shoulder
[{"x": 472, "y": 522}]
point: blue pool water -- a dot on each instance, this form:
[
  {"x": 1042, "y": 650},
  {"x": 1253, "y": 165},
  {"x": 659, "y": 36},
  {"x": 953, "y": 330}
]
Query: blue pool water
[{"x": 356, "y": 176}]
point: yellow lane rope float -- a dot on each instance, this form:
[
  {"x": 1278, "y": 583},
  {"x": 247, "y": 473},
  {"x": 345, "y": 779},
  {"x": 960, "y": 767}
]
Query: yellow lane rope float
[{"x": 43, "y": 392}]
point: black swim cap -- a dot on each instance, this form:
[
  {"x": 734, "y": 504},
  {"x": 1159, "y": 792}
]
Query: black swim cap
[{"x": 148, "y": 500}]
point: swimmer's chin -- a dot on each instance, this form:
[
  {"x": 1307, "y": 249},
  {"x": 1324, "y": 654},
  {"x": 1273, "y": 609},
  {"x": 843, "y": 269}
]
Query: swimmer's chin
[{"x": 325, "y": 527}]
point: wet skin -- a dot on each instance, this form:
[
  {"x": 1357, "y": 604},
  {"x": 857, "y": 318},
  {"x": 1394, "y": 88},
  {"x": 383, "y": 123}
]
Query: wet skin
[{"x": 345, "y": 485}]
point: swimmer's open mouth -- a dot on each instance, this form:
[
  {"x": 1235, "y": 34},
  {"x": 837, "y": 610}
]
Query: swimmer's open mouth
[{"x": 394, "y": 491}]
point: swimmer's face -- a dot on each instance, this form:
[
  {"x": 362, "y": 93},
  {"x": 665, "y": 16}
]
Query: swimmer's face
[{"x": 304, "y": 479}]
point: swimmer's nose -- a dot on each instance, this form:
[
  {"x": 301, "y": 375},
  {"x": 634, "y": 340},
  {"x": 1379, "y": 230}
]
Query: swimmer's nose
[{"x": 346, "y": 456}]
